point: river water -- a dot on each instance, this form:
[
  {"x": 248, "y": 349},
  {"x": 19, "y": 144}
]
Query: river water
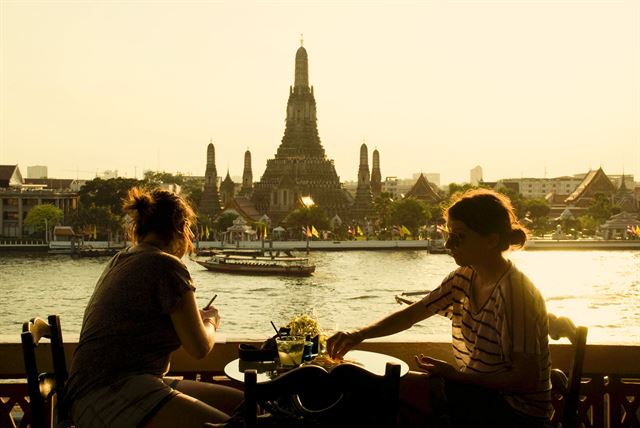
[{"x": 598, "y": 289}]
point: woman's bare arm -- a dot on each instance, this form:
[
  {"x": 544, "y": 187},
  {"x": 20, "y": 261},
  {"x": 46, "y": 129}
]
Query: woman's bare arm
[
  {"x": 195, "y": 335},
  {"x": 522, "y": 376},
  {"x": 340, "y": 343}
]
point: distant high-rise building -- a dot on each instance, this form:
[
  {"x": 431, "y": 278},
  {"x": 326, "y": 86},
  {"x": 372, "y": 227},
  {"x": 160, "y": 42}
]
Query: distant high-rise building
[
  {"x": 210, "y": 200},
  {"x": 475, "y": 175},
  {"x": 37, "y": 171},
  {"x": 376, "y": 176},
  {"x": 247, "y": 175},
  {"x": 300, "y": 167},
  {"x": 363, "y": 202}
]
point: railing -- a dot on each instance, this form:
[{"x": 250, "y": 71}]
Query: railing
[
  {"x": 610, "y": 387},
  {"x": 23, "y": 243}
]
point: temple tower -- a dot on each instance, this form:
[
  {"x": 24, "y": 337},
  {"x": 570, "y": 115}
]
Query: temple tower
[
  {"x": 362, "y": 206},
  {"x": 210, "y": 200},
  {"x": 624, "y": 197},
  {"x": 247, "y": 175},
  {"x": 227, "y": 190},
  {"x": 376, "y": 176},
  {"x": 300, "y": 158}
]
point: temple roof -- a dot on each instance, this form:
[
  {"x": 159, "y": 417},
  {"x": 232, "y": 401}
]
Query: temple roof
[
  {"x": 52, "y": 183},
  {"x": 244, "y": 207},
  {"x": 10, "y": 175},
  {"x": 595, "y": 181},
  {"x": 621, "y": 221},
  {"x": 423, "y": 191}
]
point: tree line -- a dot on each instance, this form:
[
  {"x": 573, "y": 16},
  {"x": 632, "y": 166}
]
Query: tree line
[{"x": 99, "y": 214}]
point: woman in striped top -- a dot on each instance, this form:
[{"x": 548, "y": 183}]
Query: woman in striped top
[{"x": 499, "y": 329}]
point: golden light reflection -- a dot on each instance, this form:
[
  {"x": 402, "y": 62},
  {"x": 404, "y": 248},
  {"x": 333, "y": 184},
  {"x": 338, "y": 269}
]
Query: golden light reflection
[{"x": 591, "y": 292}]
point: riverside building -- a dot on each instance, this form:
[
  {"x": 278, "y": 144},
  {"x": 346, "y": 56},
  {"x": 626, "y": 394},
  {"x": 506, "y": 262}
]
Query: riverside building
[{"x": 18, "y": 196}]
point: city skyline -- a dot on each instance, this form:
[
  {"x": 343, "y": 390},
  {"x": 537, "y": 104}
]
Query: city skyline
[{"x": 524, "y": 89}]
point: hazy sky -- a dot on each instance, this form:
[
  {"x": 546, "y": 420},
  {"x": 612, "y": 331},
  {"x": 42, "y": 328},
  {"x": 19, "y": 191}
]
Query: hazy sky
[{"x": 522, "y": 88}]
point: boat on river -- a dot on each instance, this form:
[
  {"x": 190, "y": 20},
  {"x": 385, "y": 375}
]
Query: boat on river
[{"x": 258, "y": 263}]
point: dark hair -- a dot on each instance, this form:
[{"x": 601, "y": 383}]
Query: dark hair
[
  {"x": 161, "y": 212},
  {"x": 485, "y": 212}
]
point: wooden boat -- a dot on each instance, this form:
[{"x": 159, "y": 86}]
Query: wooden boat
[{"x": 258, "y": 263}]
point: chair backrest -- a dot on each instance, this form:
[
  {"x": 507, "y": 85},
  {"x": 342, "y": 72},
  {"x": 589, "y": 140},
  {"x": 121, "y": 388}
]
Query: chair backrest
[
  {"x": 46, "y": 388},
  {"x": 568, "y": 386},
  {"x": 337, "y": 391}
]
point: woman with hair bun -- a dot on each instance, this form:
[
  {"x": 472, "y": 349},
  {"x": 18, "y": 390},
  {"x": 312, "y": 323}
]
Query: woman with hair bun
[
  {"x": 499, "y": 329},
  {"x": 142, "y": 309}
]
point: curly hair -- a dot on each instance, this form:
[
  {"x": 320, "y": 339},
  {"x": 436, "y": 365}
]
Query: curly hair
[
  {"x": 485, "y": 212},
  {"x": 161, "y": 212}
]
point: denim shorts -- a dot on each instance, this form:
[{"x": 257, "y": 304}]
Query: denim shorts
[{"x": 129, "y": 402}]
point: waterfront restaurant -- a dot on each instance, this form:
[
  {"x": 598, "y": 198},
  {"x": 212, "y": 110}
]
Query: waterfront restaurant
[{"x": 609, "y": 393}]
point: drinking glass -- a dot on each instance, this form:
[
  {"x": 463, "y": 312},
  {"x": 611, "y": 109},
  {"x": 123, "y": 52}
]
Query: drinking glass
[
  {"x": 322, "y": 343},
  {"x": 290, "y": 349}
]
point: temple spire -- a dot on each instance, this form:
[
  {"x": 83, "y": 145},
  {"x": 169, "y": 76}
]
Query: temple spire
[
  {"x": 376, "y": 176},
  {"x": 210, "y": 201},
  {"x": 247, "y": 175},
  {"x": 363, "y": 201},
  {"x": 302, "y": 68}
]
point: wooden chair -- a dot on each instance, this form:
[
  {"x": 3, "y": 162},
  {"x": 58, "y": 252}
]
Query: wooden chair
[
  {"x": 566, "y": 389},
  {"x": 46, "y": 390},
  {"x": 342, "y": 388}
]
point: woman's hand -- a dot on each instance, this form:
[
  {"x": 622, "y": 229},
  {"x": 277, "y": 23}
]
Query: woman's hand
[
  {"x": 211, "y": 313},
  {"x": 342, "y": 342},
  {"x": 436, "y": 367}
]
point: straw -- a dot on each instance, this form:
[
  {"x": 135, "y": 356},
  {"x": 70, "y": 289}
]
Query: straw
[
  {"x": 211, "y": 301},
  {"x": 275, "y": 328}
]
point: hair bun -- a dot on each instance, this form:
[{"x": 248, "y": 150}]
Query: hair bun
[
  {"x": 143, "y": 204},
  {"x": 518, "y": 237}
]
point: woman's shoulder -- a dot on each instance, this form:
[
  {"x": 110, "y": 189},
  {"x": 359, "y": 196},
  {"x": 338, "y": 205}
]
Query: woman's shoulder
[
  {"x": 519, "y": 280},
  {"x": 517, "y": 277},
  {"x": 152, "y": 256},
  {"x": 461, "y": 276}
]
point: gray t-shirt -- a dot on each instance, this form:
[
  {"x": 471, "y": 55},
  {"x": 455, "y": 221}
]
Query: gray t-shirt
[{"x": 127, "y": 328}]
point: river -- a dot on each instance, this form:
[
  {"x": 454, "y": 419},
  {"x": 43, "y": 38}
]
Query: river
[{"x": 598, "y": 289}]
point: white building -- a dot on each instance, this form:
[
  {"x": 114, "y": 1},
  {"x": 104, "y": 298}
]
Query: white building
[
  {"x": 37, "y": 171},
  {"x": 541, "y": 187},
  {"x": 475, "y": 175}
]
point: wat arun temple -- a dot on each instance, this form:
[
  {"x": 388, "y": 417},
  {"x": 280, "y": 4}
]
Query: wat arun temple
[
  {"x": 300, "y": 167},
  {"x": 299, "y": 173}
]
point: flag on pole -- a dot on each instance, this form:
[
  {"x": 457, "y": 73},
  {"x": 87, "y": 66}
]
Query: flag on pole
[
  {"x": 308, "y": 232},
  {"x": 360, "y": 231},
  {"x": 405, "y": 230},
  {"x": 314, "y": 232}
]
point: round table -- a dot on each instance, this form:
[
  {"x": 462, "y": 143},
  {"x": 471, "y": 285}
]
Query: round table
[{"x": 374, "y": 362}]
